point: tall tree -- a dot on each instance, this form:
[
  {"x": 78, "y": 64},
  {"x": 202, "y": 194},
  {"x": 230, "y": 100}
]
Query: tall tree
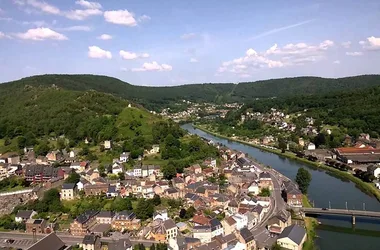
[{"x": 303, "y": 179}]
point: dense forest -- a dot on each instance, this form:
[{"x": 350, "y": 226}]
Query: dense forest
[
  {"x": 154, "y": 98},
  {"x": 356, "y": 110}
]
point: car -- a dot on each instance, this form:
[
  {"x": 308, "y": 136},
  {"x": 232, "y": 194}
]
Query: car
[{"x": 325, "y": 208}]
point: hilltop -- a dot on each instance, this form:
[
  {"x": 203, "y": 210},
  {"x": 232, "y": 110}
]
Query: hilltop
[{"x": 154, "y": 98}]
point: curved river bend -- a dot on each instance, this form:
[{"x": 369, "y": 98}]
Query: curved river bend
[{"x": 324, "y": 189}]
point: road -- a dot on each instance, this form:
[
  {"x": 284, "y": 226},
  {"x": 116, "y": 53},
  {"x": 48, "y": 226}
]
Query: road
[
  {"x": 359, "y": 213},
  {"x": 24, "y": 240}
]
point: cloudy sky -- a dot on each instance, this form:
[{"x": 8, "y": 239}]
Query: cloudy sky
[{"x": 172, "y": 42}]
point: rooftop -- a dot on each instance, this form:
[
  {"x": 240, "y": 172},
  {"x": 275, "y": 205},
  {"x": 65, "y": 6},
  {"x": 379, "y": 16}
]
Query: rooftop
[{"x": 293, "y": 232}]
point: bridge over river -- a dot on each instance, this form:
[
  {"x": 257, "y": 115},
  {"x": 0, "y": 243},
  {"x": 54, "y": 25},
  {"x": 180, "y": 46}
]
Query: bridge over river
[{"x": 343, "y": 212}]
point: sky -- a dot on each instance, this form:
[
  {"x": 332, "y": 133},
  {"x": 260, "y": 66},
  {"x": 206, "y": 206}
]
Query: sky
[{"x": 175, "y": 42}]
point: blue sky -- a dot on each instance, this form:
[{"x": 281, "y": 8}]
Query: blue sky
[{"x": 173, "y": 42}]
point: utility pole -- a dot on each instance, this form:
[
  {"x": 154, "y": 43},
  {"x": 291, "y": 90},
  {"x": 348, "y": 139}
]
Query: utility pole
[
  {"x": 329, "y": 205},
  {"x": 364, "y": 206},
  {"x": 346, "y": 206}
]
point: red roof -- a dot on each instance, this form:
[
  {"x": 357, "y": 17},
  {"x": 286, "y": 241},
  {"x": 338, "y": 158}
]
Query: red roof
[
  {"x": 201, "y": 220},
  {"x": 353, "y": 150}
]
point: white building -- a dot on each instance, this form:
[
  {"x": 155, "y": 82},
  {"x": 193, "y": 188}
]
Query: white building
[
  {"x": 311, "y": 146},
  {"x": 241, "y": 221},
  {"x": 107, "y": 145},
  {"x": 124, "y": 156}
]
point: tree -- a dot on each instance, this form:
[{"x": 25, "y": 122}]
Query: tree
[
  {"x": 61, "y": 144},
  {"x": 120, "y": 204},
  {"x": 282, "y": 144},
  {"x": 73, "y": 178},
  {"x": 182, "y": 213},
  {"x": 265, "y": 192},
  {"x": 152, "y": 247},
  {"x": 139, "y": 246},
  {"x": 303, "y": 179},
  {"x": 156, "y": 200},
  {"x": 144, "y": 209},
  {"x": 276, "y": 247},
  {"x": 169, "y": 171},
  {"x": 121, "y": 176}
]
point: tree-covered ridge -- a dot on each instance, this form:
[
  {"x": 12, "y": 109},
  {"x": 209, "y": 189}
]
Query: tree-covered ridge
[
  {"x": 356, "y": 110},
  {"x": 154, "y": 98},
  {"x": 45, "y": 110}
]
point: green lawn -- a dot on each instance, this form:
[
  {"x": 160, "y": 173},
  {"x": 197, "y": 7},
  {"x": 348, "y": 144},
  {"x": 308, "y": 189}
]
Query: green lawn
[
  {"x": 134, "y": 114},
  {"x": 155, "y": 160}
]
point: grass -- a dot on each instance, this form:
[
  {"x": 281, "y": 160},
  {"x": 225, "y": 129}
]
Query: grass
[
  {"x": 155, "y": 160},
  {"x": 368, "y": 188},
  {"x": 311, "y": 224},
  {"x": 130, "y": 114},
  {"x": 13, "y": 147}
]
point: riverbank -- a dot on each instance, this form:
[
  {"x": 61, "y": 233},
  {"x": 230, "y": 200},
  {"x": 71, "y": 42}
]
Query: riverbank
[
  {"x": 311, "y": 226},
  {"x": 366, "y": 187}
]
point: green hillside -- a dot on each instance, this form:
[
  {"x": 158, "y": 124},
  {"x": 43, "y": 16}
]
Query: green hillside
[{"x": 154, "y": 98}]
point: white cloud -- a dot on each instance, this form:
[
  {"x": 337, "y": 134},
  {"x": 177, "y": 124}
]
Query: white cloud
[
  {"x": 356, "y": 53},
  {"x": 89, "y": 5},
  {"x": 40, "y": 5},
  {"x": 40, "y": 34},
  {"x": 188, "y": 36},
  {"x": 337, "y": 62},
  {"x": 276, "y": 57},
  {"x": 193, "y": 60},
  {"x": 82, "y": 14},
  {"x": 96, "y": 52},
  {"x": 105, "y": 37},
  {"x": 8, "y": 19},
  {"x": 131, "y": 55},
  {"x": 35, "y": 23},
  {"x": 245, "y": 75},
  {"x": 3, "y": 35},
  {"x": 346, "y": 45},
  {"x": 77, "y": 28},
  {"x": 153, "y": 66},
  {"x": 122, "y": 17},
  {"x": 372, "y": 43},
  {"x": 144, "y": 18}
]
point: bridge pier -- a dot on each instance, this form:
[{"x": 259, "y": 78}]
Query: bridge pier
[{"x": 353, "y": 220}]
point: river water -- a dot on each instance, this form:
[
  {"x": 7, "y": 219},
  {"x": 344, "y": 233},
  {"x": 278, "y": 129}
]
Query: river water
[{"x": 325, "y": 190}]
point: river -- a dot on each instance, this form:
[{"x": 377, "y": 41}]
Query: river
[{"x": 324, "y": 189}]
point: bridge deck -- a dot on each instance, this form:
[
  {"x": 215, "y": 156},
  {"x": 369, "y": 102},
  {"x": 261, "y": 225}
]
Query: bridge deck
[{"x": 359, "y": 213}]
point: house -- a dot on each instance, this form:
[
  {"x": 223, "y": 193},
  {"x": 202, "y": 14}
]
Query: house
[
  {"x": 161, "y": 215},
  {"x": 91, "y": 242},
  {"x": 178, "y": 183},
  {"x": 358, "y": 155},
  {"x": 104, "y": 217},
  {"x": 36, "y": 226},
  {"x": 292, "y": 237},
  {"x": 247, "y": 238},
  {"x": 293, "y": 195},
  {"x": 24, "y": 215},
  {"x": 12, "y": 158},
  {"x": 374, "y": 170},
  {"x": 124, "y": 157},
  {"x": 96, "y": 189},
  {"x": 155, "y": 149},
  {"x": 68, "y": 191},
  {"x": 253, "y": 188},
  {"x": 146, "y": 170},
  {"x": 121, "y": 244},
  {"x": 112, "y": 192},
  {"x": 172, "y": 193},
  {"x": 51, "y": 242},
  {"x": 184, "y": 243},
  {"x": 125, "y": 220},
  {"x": 3, "y": 171},
  {"x": 163, "y": 231},
  {"x": 83, "y": 223},
  {"x": 216, "y": 227},
  {"x": 311, "y": 146},
  {"x": 42, "y": 173},
  {"x": 117, "y": 168},
  {"x": 241, "y": 220},
  {"x": 54, "y": 156},
  {"x": 75, "y": 165},
  {"x": 107, "y": 144},
  {"x": 278, "y": 223},
  {"x": 229, "y": 225},
  {"x": 265, "y": 181},
  {"x": 82, "y": 182},
  {"x": 203, "y": 233}
]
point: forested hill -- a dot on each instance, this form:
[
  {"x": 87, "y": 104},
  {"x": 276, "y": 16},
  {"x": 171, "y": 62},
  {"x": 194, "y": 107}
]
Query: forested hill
[{"x": 153, "y": 98}]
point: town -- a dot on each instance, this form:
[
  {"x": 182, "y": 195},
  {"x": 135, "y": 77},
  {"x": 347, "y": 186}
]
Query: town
[{"x": 229, "y": 202}]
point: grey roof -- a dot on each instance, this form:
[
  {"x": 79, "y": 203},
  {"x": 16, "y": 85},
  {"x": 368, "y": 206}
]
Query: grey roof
[
  {"x": 183, "y": 241},
  {"x": 171, "y": 190},
  {"x": 168, "y": 224},
  {"x": 90, "y": 239},
  {"x": 201, "y": 229},
  {"x": 25, "y": 214},
  {"x": 121, "y": 244},
  {"x": 111, "y": 189},
  {"x": 293, "y": 232},
  {"x": 215, "y": 224},
  {"x": 125, "y": 215},
  {"x": 105, "y": 214},
  {"x": 68, "y": 185},
  {"x": 51, "y": 242},
  {"x": 246, "y": 234},
  {"x": 265, "y": 175},
  {"x": 83, "y": 218}
]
